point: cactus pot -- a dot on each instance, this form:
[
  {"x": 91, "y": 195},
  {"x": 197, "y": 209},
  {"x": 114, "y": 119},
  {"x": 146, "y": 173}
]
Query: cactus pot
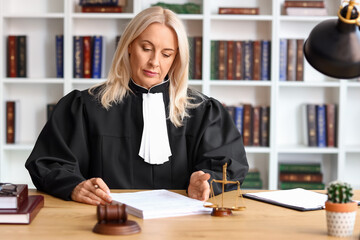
[{"x": 340, "y": 218}]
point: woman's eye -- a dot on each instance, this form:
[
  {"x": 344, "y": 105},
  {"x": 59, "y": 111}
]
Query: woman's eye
[
  {"x": 146, "y": 49},
  {"x": 166, "y": 55}
]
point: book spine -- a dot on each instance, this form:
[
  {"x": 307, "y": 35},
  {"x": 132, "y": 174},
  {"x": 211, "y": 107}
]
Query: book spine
[
  {"x": 304, "y": 4},
  {"x": 238, "y": 117},
  {"x": 292, "y": 11},
  {"x": 191, "y": 58},
  {"x": 256, "y": 125},
  {"x": 331, "y": 124},
  {"x": 252, "y": 184},
  {"x": 102, "y": 3},
  {"x": 87, "y": 56},
  {"x": 78, "y": 57},
  {"x": 12, "y": 56},
  {"x": 59, "y": 43},
  {"x": 238, "y": 60},
  {"x": 101, "y": 9},
  {"x": 198, "y": 57},
  {"x": 222, "y": 59},
  {"x": 256, "y": 59},
  {"x": 97, "y": 57},
  {"x": 242, "y": 11},
  {"x": 301, "y": 177},
  {"x": 283, "y": 60},
  {"x": 248, "y": 60},
  {"x": 321, "y": 125},
  {"x": 253, "y": 175},
  {"x": 311, "y": 125},
  {"x": 21, "y": 56},
  {"x": 10, "y": 121},
  {"x": 247, "y": 125},
  {"x": 22, "y": 195},
  {"x": 291, "y": 60},
  {"x": 265, "y": 60},
  {"x": 299, "y": 60},
  {"x": 264, "y": 126},
  {"x": 300, "y": 168},
  {"x": 230, "y": 60}
]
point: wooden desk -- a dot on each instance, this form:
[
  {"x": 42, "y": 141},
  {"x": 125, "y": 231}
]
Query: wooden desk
[{"x": 70, "y": 220}]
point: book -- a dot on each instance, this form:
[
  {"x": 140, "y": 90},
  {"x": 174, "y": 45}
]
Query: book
[
  {"x": 330, "y": 124},
  {"x": 299, "y": 60},
  {"x": 198, "y": 57},
  {"x": 300, "y": 177},
  {"x": 59, "y": 45},
  {"x": 247, "y": 132},
  {"x": 238, "y": 52},
  {"x": 305, "y": 4},
  {"x": 265, "y": 60},
  {"x": 248, "y": 60},
  {"x": 238, "y": 117},
  {"x": 97, "y": 56},
  {"x": 10, "y": 121},
  {"x": 101, "y": 9},
  {"x": 21, "y": 56},
  {"x": 310, "y": 125},
  {"x": 102, "y": 3},
  {"x": 256, "y": 112},
  {"x": 298, "y": 199},
  {"x": 78, "y": 55},
  {"x": 230, "y": 60},
  {"x": 256, "y": 60},
  {"x": 264, "y": 126},
  {"x": 283, "y": 60},
  {"x": 222, "y": 60},
  {"x": 301, "y": 11},
  {"x": 239, "y": 10},
  {"x": 87, "y": 56},
  {"x": 159, "y": 204},
  {"x": 291, "y": 60},
  {"x": 321, "y": 125},
  {"x": 16, "y": 199},
  {"x": 11, "y": 56},
  {"x": 299, "y": 167},
  {"x": 25, "y": 214}
]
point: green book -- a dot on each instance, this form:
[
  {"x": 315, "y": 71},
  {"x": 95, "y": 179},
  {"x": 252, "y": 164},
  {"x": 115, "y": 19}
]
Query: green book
[
  {"x": 308, "y": 168},
  {"x": 252, "y": 184},
  {"x": 304, "y": 185},
  {"x": 252, "y": 176}
]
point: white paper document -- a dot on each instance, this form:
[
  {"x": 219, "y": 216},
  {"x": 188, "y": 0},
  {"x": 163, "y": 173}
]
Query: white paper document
[
  {"x": 159, "y": 204},
  {"x": 298, "y": 198}
]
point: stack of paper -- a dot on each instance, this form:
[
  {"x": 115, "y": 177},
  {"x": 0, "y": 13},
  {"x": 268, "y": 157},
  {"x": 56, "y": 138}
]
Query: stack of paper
[{"x": 159, "y": 204}]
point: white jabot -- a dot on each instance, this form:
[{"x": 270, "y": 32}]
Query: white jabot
[{"x": 155, "y": 147}]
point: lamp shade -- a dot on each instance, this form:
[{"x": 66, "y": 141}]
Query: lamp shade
[{"x": 333, "y": 48}]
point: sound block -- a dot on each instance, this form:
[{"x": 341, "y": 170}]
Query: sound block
[
  {"x": 221, "y": 212},
  {"x": 114, "y": 228}
]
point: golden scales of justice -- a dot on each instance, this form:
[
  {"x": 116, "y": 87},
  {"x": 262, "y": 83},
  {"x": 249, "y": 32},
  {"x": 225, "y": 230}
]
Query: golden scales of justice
[{"x": 218, "y": 209}]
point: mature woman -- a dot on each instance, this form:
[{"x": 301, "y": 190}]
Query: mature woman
[{"x": 141, "y": 129}]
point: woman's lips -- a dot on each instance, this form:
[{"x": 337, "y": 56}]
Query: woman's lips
[{"x": 150, "y": 73}]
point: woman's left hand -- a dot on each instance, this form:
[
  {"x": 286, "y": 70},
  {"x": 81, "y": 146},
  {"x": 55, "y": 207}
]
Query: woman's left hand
[{"x": 199, "y": 187}]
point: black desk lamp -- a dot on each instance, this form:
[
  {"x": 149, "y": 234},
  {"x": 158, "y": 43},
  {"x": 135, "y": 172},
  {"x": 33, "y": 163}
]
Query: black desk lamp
[{"x": 333, "y": 46}]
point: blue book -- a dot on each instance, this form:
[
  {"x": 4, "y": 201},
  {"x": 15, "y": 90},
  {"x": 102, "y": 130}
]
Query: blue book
[
  {"x": 321, "y": 125},
  {"x": 59, "y": 43},
  {"x": 283, "y": 59},
  {"x": 238, "y": 117},
  {"x": 248, "y": 60},
  {"x": 78, "y": 58},
  {"x": 265, "y": 60},
  {"x": 97, "y": 56}
]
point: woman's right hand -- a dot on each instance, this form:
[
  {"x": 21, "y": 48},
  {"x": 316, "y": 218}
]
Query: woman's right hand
[{"x": 92, "y": 191}]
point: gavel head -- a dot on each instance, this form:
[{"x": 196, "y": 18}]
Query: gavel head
[{"x": 111, "y": 213}]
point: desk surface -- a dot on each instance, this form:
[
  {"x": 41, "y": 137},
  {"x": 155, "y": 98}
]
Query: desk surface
[{"x": 70, "y": 220}]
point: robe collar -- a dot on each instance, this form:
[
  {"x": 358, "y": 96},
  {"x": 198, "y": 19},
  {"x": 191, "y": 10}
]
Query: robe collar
[{"x": 162, "y": 87}]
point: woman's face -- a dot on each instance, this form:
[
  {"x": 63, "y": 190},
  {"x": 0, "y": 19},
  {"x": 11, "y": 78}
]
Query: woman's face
[{"x": 152, "y": 54}]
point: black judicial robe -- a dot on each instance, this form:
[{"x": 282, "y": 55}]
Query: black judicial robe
[{"x": 82, "y": 140}]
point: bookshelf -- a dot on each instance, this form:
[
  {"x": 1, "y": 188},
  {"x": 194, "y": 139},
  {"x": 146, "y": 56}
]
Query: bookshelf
[{"x": 41, "y": 20}]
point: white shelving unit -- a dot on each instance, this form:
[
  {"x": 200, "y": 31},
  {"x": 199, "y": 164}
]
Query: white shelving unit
[{"x": 41, "y": 20}]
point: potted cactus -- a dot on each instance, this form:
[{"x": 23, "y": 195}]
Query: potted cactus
[{"x": 340, "y": 209}]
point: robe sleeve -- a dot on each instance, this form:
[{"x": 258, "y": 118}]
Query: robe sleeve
[
  {"x": 220, "y": 142},
  {"x": 61, "y": 149}
]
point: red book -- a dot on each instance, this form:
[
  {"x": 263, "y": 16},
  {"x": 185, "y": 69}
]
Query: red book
[
  {"x": 256, "y": 125},
  {"x": 331, "y": 124},
  {"x": 238, "y": 60},
  {"x": 247, "y": 122},
  {"x": 222, "y": 59},
  {"x": 198, "y": 57},
  {"x": 101, "y": 9},
  {"x": 301, "y": 177},
  {"x": 12, "y": 56},
  {"x": 10, "y": 122},
  {"x": 87, "y": 56},
  {"x": 242, "y": 11},
  {"x": 257, "y": 58},
  {"x": 299, "y": 60},
  {"x": 305, "y": 4},
  {"x": 16, "y": 200},
  {"x": 25, "y": 214}
]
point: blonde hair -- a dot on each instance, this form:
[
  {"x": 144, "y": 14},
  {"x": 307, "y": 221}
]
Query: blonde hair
[{"x": 116, "y": 86}]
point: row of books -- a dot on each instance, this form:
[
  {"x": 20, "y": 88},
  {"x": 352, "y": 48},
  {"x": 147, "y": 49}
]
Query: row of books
[
  {"x": 102, "y": 6},
  {"x": 252, "y": 180},
  {"x": 16, "y": 206},
  {"x": 301, "y": 175},
  {"x": 16, "y": 56},
  {"x": 252, "y": 122},
  {"x": 195, "y": 52},
  {"x": 291, "y": 60},
  {"x": 240, "y": 60},
  {"x": 320, "y": 125},
  {"x": 87, "y": 56},
  {"x": 305, "y": 8},
  {"x": 185, "y": 8},
  {"x": 239, "y": 10}
]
